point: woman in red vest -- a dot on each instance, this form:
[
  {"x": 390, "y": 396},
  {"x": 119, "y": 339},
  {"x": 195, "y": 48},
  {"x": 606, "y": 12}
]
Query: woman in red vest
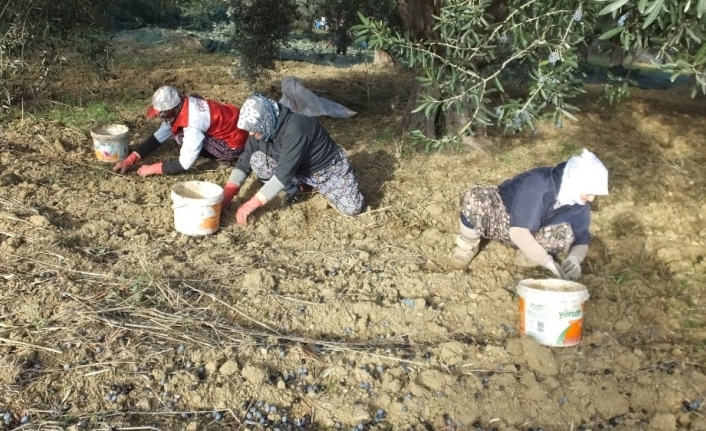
[{"x": 201, "y": 127}]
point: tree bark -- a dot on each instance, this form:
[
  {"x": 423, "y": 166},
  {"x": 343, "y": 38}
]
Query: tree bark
[
  {"x": 419, "y": 121},
  {"x": 383, "y": 58},
  {"x": 617, "y": 55},
  {"x": 454, "y": 123},
  {"x": 417, "y": 16}
]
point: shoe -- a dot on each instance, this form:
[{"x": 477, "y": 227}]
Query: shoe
[
  {"x": 523, "y": 261},
  {"x": 467, "y": 245},
  {"x": 462, "y": 257},
  {"x": 295, "y": 194}
]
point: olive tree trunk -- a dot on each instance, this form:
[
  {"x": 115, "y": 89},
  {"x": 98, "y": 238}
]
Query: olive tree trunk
[
  {"x": 417, "y": 16},
  {"x": 383, "y": 58}
]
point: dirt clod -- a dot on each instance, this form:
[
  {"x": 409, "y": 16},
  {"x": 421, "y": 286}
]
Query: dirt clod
[
  {"x": 39, "y": 221},
  {"x": 433, "y": 380},
  {"x": 663, "y": 422},
  {"x": 539, "y": 358},
  {"x": 144, "y": 405},
  {"x": 628, "y": 361},
  {"x": 253, "y": 374},
  {"x": 229, "y": 368},
  {"x": 434, "y": 210},
  {"x": 321, "y": 314},
  {"x": 451, "y": 353},
  {"x": 611, "y": 405}
]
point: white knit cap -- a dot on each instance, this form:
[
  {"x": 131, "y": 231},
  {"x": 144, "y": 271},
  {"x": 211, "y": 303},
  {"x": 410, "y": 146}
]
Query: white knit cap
[
  {"x": 584, "y": 174},
  {"x": 164, "y": 99}
]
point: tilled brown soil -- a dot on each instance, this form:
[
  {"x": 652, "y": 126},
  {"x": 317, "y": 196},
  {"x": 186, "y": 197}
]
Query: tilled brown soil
[{"x": 109, "y": 318}]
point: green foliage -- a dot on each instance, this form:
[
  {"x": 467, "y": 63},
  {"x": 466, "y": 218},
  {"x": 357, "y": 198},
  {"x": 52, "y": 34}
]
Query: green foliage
[
  {"x": 202, "y": 14},
  {"x": 466, "y": 66},
  {"x": 309, "y": 11},
  {"x": 344, "y": 13},
  {"x": 675, "y": 28},
  {"x": 31, "y": 34},
  {"x": 97, "y": 48},
  {"x": 256, "y": 32}
]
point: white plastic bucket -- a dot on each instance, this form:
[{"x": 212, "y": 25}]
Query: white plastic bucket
[
  {"x": 197, "y": 207},
  {"x": 110, "y": 143},
  {"x": 551, "y": 311}
]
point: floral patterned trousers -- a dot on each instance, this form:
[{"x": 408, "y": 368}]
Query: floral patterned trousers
[
  {"x": 214, "y": 148},
  {"x": 336, "y": 182},
  {"x": 485, "y": 211}
]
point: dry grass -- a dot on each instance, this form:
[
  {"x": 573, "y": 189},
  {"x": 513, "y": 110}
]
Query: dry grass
[{"x": 93, "y": 277}]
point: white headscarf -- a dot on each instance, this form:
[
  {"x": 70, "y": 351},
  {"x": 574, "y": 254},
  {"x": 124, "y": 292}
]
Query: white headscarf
[{"x": 583, "y": 175}]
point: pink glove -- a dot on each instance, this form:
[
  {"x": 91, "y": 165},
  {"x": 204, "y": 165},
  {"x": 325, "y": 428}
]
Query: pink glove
[
  {"x": 147, "y": 170},
  {"x": 126, "y": 164},
  {"x": 229, "y": 192},
  {"x": 241, "y": 216}
]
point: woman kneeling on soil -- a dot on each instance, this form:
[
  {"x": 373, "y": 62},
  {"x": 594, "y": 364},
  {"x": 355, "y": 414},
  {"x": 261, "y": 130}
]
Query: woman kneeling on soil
[
  {"x": 289, "y": 151},
  {"x": 201, "y": 127},
  {"x": 542, "y": 212}
]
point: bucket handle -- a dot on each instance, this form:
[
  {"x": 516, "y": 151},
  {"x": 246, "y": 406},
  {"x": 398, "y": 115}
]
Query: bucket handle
[{"x": 174, "y": 206}]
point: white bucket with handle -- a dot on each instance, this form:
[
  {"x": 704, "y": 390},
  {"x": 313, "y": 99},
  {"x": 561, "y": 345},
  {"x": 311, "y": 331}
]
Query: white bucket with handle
[
  {"x": 197, "y": 207},
  {"x": 110, "y": 143},
  {"x": 551, "y": 311}
]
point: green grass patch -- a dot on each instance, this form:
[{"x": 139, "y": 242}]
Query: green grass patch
[
  {"x": 81, "y": 117},
  {"x": 690, "y": 291},
  {"x": 502, "y": 154},
  {"x": 84, "y": 115},
  {"x": 626, "y": 275},
  {"x": 385, "y": 137},
  {"x": 566, "y": 149}
]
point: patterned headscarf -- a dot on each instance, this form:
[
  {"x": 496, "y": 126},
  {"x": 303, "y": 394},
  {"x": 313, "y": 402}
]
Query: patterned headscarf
[{"x": 259, "y": 115}]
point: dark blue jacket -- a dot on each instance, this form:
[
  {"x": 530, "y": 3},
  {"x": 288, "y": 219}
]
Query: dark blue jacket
[{"x": 529, "y": 199}]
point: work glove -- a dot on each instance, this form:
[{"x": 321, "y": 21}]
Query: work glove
[
  {"x": 148, "y": 170},
  {"x": 555, "y": 269},
  {"x": 229, "y": 192},
  {"x": 571, "y": 267},
  {"x": 241, "y": 215},
  {"x": 122, "y": 167}
]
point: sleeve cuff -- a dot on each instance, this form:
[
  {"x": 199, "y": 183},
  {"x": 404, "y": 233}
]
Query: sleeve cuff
[
  {"x": 237, "y": 177},
  {"x": 148, "y": 146},
  {"x": 579, "y": 251},
  {"x": 271, "y": 189},
  {"x": 173, "y": 167}
]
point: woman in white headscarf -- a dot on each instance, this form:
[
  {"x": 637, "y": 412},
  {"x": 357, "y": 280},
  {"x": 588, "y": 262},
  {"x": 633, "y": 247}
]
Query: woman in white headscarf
[
  {"x": 541, "y": 212},
  {"x": 201, "y": 127}
]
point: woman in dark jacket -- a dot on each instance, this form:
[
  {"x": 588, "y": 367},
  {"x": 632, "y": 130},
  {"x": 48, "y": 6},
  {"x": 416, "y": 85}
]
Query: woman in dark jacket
[
  {"x": 289, "y": 151},
  {"x": 542, "y": 212}
]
